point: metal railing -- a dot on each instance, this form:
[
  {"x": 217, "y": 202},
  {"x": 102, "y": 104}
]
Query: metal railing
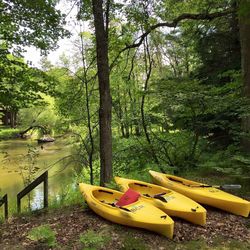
[
  {"x": 42, "y": 178},
  {"x": 4, "y": 201}
]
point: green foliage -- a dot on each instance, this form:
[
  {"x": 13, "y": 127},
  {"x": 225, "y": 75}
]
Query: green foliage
[
  {"x": 68, "y": 195},
  {"x": 175, "y": 150},
  {"x": 44, "y": 117},
  {"x": 234, "y": 244},
  {"x": 195, "y": 244},
  {"x": 130, "y": 242},
  {"x": 244, "y": 9},
  {"x": 43, "y": 234},
  {"x": 221, "y": 243},
  {"x": 27, "y": 23},
  {"x": 24, "y": 24},
  {"x": 83, "y": 172},
  {"x": 230, "y": 161},
  {"x": 93, "y": 240},
  {"x": 218, "y": 50},
  {"x": 212, "y": 111},
  {"x": 7, "y": 133},
  {"x": 28, "y": 167},
  {"x": 22, "y": 86},
  {"x": 193, "y": 101}
]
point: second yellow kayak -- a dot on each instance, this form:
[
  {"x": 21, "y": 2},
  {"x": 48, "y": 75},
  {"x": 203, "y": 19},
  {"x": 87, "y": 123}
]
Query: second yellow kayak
[
  {"x": 171, "y": 202},
  {"x": 203, "y": 193}
]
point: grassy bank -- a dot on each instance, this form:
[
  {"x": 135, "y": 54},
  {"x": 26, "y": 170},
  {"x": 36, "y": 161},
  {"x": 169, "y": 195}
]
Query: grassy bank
[{"x": 8, "y": 133}]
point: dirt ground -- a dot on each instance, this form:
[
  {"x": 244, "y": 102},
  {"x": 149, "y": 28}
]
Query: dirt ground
[{"x": 70, "y": 222}]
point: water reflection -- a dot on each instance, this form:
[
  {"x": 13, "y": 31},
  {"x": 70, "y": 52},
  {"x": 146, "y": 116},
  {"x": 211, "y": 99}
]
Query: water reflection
[
  {"x": 37, "y": 200},
  {"x": 12, "y": 156}
]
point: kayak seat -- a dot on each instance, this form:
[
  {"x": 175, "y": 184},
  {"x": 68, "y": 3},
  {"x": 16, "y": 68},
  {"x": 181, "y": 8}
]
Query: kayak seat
[{"x": 130, "y": 196}]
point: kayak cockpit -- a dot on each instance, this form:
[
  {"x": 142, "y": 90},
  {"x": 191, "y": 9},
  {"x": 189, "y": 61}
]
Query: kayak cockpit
[
  {"x": 105, "y": 196},
  {"x": 188, "y": 183},
  {"x": 148, "y": 190}
]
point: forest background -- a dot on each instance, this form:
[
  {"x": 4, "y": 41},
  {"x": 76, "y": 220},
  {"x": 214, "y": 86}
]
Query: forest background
[{"x": 158, "y": 85}]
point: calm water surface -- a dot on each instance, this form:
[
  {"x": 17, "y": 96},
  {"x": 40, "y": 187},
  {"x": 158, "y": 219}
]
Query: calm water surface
[{"x": 13, "y": 157}]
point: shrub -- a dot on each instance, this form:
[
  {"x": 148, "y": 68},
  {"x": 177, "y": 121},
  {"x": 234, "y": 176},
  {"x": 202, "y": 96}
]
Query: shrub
[
  {"x": 130, "y": 242},
  {"x": 43, "y": 234},
  {"x": 92, "y": 240}
]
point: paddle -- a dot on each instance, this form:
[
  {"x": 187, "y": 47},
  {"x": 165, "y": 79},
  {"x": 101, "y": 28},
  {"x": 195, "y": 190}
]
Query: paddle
[{"x": 226, "y": 186}]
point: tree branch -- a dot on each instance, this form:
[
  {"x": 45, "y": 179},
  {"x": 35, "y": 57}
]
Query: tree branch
[
  {"x": 173, "y": 24},
  {"x": 176, "y": 21}
]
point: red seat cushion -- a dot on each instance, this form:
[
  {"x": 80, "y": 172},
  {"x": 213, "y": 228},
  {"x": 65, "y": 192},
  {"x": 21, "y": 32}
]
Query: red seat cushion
[{"x": 130, "y": 196}]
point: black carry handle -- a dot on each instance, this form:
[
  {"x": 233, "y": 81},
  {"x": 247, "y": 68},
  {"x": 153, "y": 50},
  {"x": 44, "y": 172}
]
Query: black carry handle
[{"x": 113, "y": 205}]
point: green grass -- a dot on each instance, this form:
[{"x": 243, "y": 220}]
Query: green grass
[
  {"x": 217, "y": 244},
  {"x": 70, "y": 195},
  {"x": 8, "y": 133},
  {"x": 130, "y": 242},
  {"x": 44, "y": 235},
  {"x": 93, "y": 240}
]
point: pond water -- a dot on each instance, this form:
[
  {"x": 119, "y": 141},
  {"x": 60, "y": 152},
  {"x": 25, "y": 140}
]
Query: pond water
[{"x": 14, "y": 159}]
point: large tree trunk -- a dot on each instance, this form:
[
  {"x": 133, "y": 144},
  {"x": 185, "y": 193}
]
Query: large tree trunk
[
  {"x": 244, "y": 21},
  {"x": 104, "y": 90}
]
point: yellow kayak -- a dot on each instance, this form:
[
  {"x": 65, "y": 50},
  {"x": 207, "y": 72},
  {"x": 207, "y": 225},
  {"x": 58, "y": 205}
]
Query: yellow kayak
[
  {"x": 203, "y": 193},
  {"x": 171, "y": 202},
  {"x": 138, "y": 214}
]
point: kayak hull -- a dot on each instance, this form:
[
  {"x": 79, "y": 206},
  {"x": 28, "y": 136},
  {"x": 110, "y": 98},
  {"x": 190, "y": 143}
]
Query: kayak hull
[
  {"x": 205, "y": 195},
  {"x": 172, "y": 203},
  {"x": 138, "y": 214}
]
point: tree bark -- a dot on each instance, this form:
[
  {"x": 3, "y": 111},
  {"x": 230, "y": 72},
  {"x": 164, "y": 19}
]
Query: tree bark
[
  {"x": 43, "y": 129},
  {"x": 244, "y": 23},
  {"x": 13, "y": 119},
  {"x": 104, "y": 90},
  {"x": 90, "y": 151},
  {"x": 5, "y": 118},
  {"x": 148, "y": 69}
]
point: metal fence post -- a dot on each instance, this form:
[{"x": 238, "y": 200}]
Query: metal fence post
[
  {"x": 4, "y": 201},
  {"x": 42, "y": 178}
]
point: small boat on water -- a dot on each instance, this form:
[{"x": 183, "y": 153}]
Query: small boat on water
[
  {"x": 45, "y": 139},
  {"x": 171, "y": 202},
  {"x": 203, "y": 193},
  {"x": 139, "y": 214}
]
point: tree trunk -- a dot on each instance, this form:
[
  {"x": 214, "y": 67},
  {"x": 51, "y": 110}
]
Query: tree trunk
[
  {"x": 43, "y": 129},
  {"x": 6, "y": 118},
  {"x": 104, "y": 90},
  {"x": 148, "y": 69},
  {"x": 90, "y": 152},
  {"x": 244, "y": 23},
  {"x": 12, "y": 119}
]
